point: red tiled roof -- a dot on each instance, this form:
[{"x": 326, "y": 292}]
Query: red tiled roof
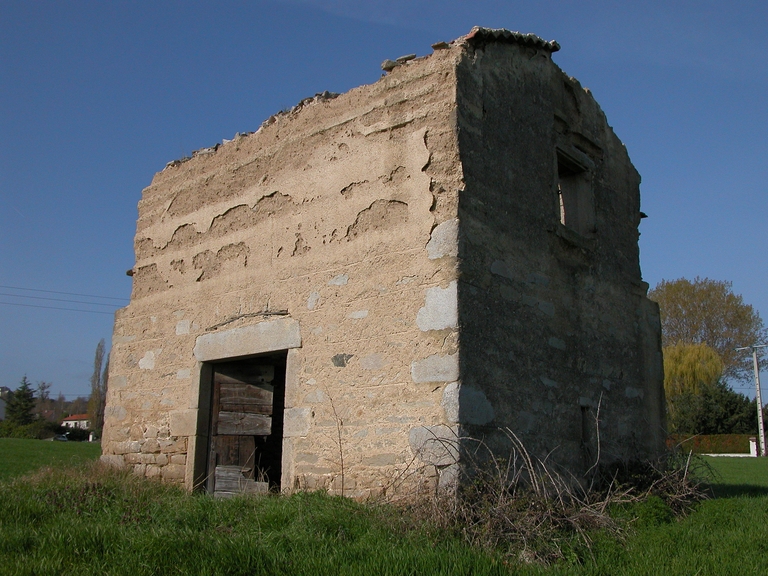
[{"x": 76, "y": 417}]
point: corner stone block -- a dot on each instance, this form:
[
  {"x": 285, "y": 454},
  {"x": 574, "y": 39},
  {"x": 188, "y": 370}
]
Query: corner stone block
[
  {"x": 173, "y": 472},
  {"x": 444, "y": 240},
  {"x": 435, "y": 445},
  {"x": 466, "y": 405},
  {"x": 449, "y": 478},
  {"x": 436, "y": 368},
  {"x": 474, "y": 407},
  {"x": 440, "y": 310},
  {"x": 183, "y": 422},
  {"x": 115, "y": 460},
  {"x": 255, "y": 339},
  {"x": 450, "y": 402},
  {"x": 129, "y": 447},
  {"x": 115, "y": 411},
  {"x": 292, "y": 377},
  {"x": 296, "y": 422}
]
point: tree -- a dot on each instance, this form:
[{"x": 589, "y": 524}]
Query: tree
[
  {"x": 698, "y": 400},
  {"x": 59, "y": 406},
  {"x": 43, "y": 398},
  {"x": 689, "y": 369},
  {"x": 726, "y": 412},
  {"x": 21, "y": 404},
  {"x": 705, "y": 311},
  {"x": 716, "y": 409},
  {"x": 104, "y": 385},
  {"x": 98, "y": 388}
]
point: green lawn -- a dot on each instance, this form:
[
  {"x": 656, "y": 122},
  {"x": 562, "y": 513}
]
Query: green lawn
[
  {"x": 739, "y": 476},
  {"x": 93, "y": 520},
  {"x": 19, "y": 457}
]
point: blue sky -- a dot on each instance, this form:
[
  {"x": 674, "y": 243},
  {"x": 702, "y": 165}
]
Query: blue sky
[{"x": 95, "y": 97}]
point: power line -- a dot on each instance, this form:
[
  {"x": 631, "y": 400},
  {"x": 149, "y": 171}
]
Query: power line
[
  {"x": 56, "y": 308},
  {"x": 64, "y": 293},
  {"x": 59, "y": 300}
]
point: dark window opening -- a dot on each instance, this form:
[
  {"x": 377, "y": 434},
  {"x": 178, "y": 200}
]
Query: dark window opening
[
  {"x": 576, "y": 201},
  {"x": 585, "y": 426},
  {"x": 245, "y": 442}
]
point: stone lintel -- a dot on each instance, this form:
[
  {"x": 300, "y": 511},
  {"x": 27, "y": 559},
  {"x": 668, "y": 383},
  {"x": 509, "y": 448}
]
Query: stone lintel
[{"x": 258, "y": 338}]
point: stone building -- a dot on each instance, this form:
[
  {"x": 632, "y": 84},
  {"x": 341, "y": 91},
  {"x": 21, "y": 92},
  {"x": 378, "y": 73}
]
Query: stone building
[{"x": 354, "y": 290}]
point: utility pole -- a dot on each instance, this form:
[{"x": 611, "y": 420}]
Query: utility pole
[{"x": 760, "y": 428}]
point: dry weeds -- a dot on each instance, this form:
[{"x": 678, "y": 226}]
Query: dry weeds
[{"x": 524, "y": 507}]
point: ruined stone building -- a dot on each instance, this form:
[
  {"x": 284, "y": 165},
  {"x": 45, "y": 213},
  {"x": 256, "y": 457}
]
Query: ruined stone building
[{"x": 443, "y": 254}]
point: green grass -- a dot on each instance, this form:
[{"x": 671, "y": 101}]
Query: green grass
[
  {"x": 93, "y": 520},
  {"x": 67, "y": 523},
  {"x": 739, "y": 476},
  {"x": 19, "y": 457}
]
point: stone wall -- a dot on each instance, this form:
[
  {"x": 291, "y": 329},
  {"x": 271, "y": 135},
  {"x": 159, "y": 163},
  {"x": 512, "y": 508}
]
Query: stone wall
[
  {"x": 555, "y": 326},
  {"x": 339, "y": 216},
  {"x": 449, "y": 251}
]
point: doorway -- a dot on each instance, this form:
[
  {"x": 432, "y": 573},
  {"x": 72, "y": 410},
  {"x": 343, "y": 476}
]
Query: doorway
[{"x": 245, "y": 441}]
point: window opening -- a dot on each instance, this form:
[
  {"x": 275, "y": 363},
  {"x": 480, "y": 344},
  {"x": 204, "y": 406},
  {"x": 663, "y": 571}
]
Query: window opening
[{"x": 574, "y": 190}]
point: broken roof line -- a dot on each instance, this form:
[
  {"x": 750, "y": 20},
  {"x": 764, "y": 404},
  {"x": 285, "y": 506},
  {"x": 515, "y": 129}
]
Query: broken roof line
[{"x": 478, "y": 33}]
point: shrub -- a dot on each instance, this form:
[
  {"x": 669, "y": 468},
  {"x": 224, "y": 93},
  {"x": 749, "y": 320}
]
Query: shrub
[
  {"x": 711, "y": 443},
  {"x": 525, "y": 508},
  {"x": 39, "y": 429}
]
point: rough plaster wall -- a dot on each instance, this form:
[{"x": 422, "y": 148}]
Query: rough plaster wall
[
  {"x": 553, "y": 325},
  {"x": 326, "y": 215},
  {"x": 352, "y": 217}
]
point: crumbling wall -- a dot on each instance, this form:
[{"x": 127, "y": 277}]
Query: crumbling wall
[
  {"x": 447, "y": 252},
  {"x": 339, "y": 215},
  {"x": 557, "y": 333}
]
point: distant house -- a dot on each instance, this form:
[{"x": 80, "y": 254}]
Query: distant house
[
  {"x": 77, "y": 421},
  {"x": 2, "y": 409}
]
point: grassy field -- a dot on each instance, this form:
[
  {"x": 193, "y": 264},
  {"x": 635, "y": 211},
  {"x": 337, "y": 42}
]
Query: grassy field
[
  {"x": 739, "y": 476},
  {"x": 19, "y": 457},
  {"x": 92, "y": 520},
  {"x": 66, "y": 523}
]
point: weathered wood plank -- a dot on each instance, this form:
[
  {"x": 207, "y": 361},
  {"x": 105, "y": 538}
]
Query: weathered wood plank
[
  {"x": 228, "y": 478},
  {"x": 244, "y": 424},
  {"x": 226, "y": 450},
  {"x": 248, "y": 408},
  {"x": 247, "y": 457},
  {"x": 212, "y": 454},
  {"x": 246, "y": 393},
  {"x": 234, "y": 372},
  {"x": 230, "y": 481},
  {"x": 234, "y": 451}
]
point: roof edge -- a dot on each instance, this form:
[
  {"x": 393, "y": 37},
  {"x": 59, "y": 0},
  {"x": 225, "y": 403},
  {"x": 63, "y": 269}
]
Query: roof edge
[{"x": 480, "y": 34}]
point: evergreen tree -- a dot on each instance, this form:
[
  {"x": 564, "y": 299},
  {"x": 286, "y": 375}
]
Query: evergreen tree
[
  {"x": 98, "y": 388},
  {"x": 21, "y": 404}
]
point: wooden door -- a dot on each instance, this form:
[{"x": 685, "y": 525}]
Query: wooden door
[{"x": 246, "y": 427}]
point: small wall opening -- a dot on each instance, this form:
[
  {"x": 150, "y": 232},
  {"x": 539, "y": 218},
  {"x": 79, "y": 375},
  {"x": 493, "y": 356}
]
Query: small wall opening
[
  {"x": 245, "y": 439},
  {"x": 574, "y": 189}
]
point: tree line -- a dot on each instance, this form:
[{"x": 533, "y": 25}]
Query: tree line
[
  {"x": 30, "y": 412},
  {"x": 702, "y": 323}
]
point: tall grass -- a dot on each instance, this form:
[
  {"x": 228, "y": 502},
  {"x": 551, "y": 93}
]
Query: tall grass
[
  {"x": 101, "y": 521},
  {"x": 96, "y": 520}
]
